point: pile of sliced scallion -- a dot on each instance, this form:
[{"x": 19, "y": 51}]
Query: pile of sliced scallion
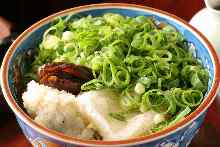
[{"x": 148, "y": 61}]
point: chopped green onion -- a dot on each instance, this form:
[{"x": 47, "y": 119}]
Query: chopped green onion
[
  {"x": 117, "y": 116},
  {"x": 152, "y": 66},
  {"x": 181, "y": 115}
]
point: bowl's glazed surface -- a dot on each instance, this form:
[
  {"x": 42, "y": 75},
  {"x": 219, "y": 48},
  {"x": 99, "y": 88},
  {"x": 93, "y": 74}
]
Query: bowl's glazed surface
[{"x": 179, "y": 134}]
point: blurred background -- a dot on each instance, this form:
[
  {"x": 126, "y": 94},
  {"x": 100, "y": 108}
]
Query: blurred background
[{"x": 17, "y": 15}]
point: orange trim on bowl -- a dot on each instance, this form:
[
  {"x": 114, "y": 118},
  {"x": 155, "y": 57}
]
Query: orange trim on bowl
[{"x": 64, "y": 138}]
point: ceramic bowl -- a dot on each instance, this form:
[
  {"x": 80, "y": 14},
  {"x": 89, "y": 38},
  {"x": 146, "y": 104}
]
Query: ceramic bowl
[
  {"x": 209, "y": 16},
  {"x": 179, "y": 134}
]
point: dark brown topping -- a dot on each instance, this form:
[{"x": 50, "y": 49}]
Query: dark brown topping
[
  {"x": 161, "y": 25},
  {"x": 64, "y": 76}
]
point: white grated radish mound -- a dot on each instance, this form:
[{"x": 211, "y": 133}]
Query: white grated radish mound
[{"x": 55, "y": 109}]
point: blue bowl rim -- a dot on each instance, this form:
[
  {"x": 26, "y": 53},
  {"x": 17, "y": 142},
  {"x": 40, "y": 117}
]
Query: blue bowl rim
[{"x": 133, "y": 141}]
